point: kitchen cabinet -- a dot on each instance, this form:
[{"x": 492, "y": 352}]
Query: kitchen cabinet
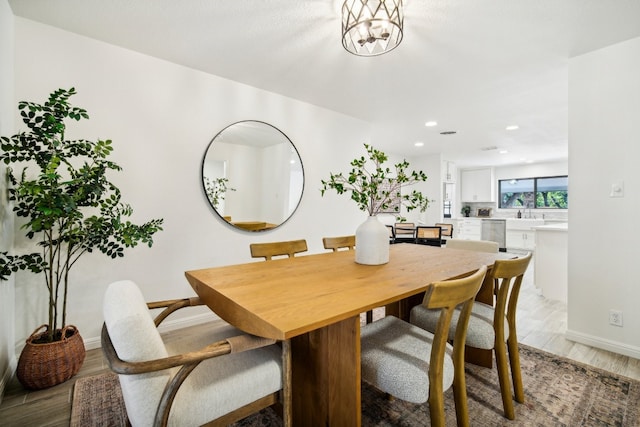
[
  {"x": 448, "y": 195},
  {"x": 520, "y": 233},
  {"x": 521, "y": 239},
  {"x": 449, "y": 191},
  {"x": 476, "y": 185},
  {"x": 448, "y": 171},
  {"x": 469, "y": 229}
]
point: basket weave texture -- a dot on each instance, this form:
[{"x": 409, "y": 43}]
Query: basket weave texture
[{"x": 45, "y": 365}]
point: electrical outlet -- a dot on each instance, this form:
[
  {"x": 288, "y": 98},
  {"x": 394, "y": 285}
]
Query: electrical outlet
[{"x": 615, "y": 317}]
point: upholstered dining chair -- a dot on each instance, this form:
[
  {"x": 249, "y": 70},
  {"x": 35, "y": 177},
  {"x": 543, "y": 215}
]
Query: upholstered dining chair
[
  {"x": 415, "y": 365},
  {"x": 392, "y": 234},
  {"x": 405, "y": 231},
  {"x": 218, "y": 377},
  {"x": 492, "y": 328},
  {"x": 269, "y": 250},
  {"x": 337, "y": 243},
  {"x": 447, "y": 231},
  {"x": 473, "y": 245},
  {"x": 429, "y": 235}
]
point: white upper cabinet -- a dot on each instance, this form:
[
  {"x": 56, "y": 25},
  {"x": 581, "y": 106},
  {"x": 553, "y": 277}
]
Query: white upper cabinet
[
  {"x": 448, "y": 171},
  {"x": 449, "y": 191},
  {"x": 477, "y": 185}
]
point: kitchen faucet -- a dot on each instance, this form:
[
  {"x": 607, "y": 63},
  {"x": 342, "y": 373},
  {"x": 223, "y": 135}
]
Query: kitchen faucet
[{"x": 528, "y": 206}]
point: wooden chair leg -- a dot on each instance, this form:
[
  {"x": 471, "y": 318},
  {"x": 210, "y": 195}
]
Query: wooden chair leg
[
  {"x": 286, "y": 384},
  {"x": 504, "y": 380},
  {"x": 436, "y": 407},
  {"x": 516, "y": 374},
  {"x": 369, "y": 316},
  {"x": 460, "y": 398}
]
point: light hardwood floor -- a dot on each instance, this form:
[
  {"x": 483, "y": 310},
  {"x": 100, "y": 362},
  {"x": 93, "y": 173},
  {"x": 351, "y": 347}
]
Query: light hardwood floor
[{"x": 541, "y": 324}]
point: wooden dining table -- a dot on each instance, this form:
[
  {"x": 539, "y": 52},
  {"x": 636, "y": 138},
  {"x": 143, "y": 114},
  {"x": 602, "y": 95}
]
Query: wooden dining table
[{"x": 313, "y": 303}]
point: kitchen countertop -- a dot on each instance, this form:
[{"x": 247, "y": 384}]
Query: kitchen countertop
[{"x": 562, "y": 226}]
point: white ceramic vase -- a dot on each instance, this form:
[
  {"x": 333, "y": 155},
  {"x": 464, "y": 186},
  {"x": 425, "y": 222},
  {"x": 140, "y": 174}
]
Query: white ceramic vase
[{"x": 372, "y": 242}]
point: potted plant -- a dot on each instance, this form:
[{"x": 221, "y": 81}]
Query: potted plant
[
  {"x": 377, "y": 188},
  {"x": 216, "y": 189},
  {"x": 466, "y": 210},
  {"x": 60, "y": 188}
]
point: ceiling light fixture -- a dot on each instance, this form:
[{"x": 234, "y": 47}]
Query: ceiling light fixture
[
  {"x": 371, "y": 27},
  {"x": 512, "y": 127},
  {"x": 430, "y": 124},
  {"x": 419, "y": 144}
]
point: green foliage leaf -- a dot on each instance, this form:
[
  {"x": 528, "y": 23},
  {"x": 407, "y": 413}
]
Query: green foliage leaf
[
  {"x": 62, "y": 190},
  {"x": 380, "y": 190}
]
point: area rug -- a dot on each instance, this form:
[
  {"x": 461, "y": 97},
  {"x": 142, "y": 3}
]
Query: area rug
[
  {"x": 97, "y": 401},
  {"x": 558, "y": 392}
]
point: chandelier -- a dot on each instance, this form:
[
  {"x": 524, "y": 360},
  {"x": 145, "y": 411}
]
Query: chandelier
[{"x": 371, "y": 27}]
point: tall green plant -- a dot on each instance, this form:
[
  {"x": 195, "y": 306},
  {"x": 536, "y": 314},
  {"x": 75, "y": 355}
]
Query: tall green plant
[
  {"x": 216, "y": 189},
  {"x": 70, "y": 207},
  {"x": 377, "y": 188}
]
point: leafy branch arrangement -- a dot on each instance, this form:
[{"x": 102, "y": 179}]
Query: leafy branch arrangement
[
  {"x": 216, "y": 189},
  {"x": 378, "y": 190},
  {"x": 70, "y": 206}
]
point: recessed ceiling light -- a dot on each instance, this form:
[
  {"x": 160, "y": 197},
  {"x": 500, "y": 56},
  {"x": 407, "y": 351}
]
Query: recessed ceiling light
[
  {"x": 448, "y": 132},
  {"x": 431, "y": 123},
  {"x": 419, "y": 144},
  {"x": 503, "y": 151},
  {"x": 512, "y": 127}
]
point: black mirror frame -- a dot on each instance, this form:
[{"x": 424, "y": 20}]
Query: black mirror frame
[{"x": 204, "y": 157}]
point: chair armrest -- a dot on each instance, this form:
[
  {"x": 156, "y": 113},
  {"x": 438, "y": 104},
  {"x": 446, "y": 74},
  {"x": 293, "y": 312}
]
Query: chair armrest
[
  {"x": 171, "y": 306},
  {"x": 219, "y": 348}
]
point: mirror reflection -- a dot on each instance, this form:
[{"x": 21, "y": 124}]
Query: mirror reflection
[{"x": 252, "y": 175}]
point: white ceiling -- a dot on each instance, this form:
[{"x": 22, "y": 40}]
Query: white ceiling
[{"x": 474, "y": 66}]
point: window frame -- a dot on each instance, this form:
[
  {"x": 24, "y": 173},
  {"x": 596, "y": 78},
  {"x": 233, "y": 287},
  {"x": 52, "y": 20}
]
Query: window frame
[{"x": 535, "y": 192}]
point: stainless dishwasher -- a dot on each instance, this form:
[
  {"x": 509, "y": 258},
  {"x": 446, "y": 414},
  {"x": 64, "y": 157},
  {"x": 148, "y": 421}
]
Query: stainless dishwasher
[{"x": 495, "y": 230}]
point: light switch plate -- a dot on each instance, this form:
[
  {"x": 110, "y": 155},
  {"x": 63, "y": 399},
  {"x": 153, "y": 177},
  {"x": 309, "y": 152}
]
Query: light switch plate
[{"x": 617, "y": 189}]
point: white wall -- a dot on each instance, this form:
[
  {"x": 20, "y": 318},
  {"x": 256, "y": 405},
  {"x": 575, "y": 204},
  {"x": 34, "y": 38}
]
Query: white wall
[
  {"x": 161, "y": 117},
  {"x": 7, "y": 358},
  {"x": 604, "y": 148}
]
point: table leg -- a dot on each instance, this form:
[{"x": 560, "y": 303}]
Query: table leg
[{"x": 326, "y": 376}]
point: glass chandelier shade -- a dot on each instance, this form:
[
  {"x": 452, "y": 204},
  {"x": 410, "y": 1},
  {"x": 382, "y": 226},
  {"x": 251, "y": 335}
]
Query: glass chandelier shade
[{"x": 371, "y": 27}]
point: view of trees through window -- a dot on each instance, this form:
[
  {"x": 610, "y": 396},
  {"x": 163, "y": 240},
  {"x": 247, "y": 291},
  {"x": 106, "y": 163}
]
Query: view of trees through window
[{"x": 530, "y": 193}]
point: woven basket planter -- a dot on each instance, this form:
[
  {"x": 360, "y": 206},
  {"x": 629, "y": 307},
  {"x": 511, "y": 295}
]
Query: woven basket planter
[{"x": 45, "y": 365}]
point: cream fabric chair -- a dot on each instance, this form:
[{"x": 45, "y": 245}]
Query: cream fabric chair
[
  {"x": 473, "y": 245},
  {"x": 492, "y": 328},
  {"x": 416, "y": 365},
  {"x": 223, "y": 375}
]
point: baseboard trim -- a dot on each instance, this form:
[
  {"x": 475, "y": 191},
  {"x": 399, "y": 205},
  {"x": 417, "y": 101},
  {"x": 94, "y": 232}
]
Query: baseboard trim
[
  {"x": 166, "y": 326},
  {"x": 604, "y": 344}
]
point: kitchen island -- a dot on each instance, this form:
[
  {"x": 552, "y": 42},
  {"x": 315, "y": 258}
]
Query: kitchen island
[{"x": 550, "y": 266}]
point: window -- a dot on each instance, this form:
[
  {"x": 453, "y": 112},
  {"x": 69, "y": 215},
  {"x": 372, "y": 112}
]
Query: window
[{"x": 530, "y": 193}]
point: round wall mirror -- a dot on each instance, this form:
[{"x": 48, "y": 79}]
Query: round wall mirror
[{"x": 252, "y": 176}]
